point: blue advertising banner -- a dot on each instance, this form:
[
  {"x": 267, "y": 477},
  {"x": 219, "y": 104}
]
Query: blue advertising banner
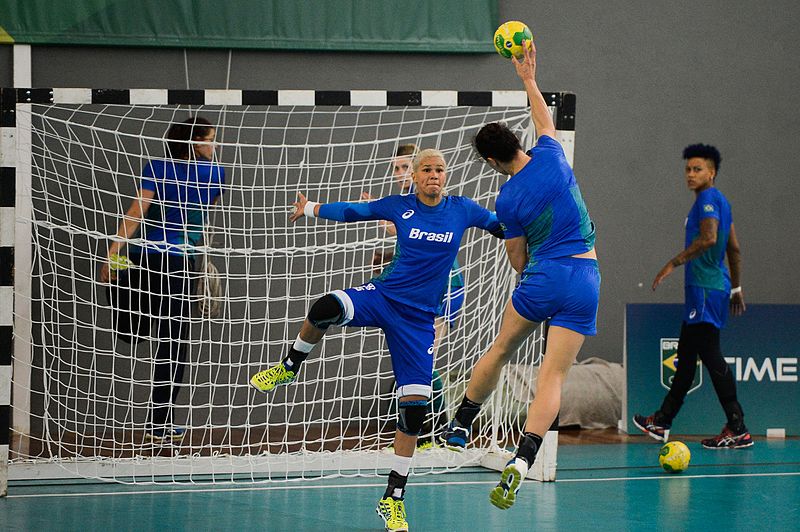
[{"x": 762, "y": 348}]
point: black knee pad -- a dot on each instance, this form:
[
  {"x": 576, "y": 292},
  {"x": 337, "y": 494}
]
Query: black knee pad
[
  {"x": 326, "y": 311},
  {"x": 411, "y": 416}
]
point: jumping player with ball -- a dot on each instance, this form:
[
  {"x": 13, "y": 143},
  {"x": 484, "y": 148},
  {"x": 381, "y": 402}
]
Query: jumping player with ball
[{"x": 550, "y": 242}]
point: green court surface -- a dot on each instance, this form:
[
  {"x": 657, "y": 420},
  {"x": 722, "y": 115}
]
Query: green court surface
[{"x": 605, "y": 487}]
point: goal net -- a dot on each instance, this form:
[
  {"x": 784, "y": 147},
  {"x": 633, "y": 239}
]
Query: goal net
[{"x": 82, "y": 396}]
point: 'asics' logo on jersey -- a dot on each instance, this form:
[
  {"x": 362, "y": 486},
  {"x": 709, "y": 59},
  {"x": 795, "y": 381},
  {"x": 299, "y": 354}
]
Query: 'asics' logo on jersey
[
  {"x": 408, "y": 214},
  {"x": 416, "y": 234}
]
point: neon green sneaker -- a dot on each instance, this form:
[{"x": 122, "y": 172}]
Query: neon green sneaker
[
  {"x": 504, "y": 495},
  {"x": 269, "y": 379},
  {"x": 425, "y": 445},
  {"x": 393, "y": 513},
  {"x": 421, "y": 446}
]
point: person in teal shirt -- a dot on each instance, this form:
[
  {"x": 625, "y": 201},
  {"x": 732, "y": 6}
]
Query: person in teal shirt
[{"x": 710, "y": 289}]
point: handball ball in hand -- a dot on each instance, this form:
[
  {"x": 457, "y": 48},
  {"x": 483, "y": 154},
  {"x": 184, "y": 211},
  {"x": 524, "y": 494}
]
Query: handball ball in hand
[{"x": 508, "y": 38}]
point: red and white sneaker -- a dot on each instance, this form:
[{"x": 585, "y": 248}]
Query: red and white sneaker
[
  {"x": 648, "y": 426},
  {"x": 727, "y": 439}
]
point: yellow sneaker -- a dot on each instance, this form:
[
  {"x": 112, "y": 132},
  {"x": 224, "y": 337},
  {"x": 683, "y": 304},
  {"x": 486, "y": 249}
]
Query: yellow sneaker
[
  {"x": 425, "y": 445},
  {"x": 268, "y": 379},
  {"x": 393, "y": 513},
  {"x": 421, "y": 446},
  {"x": 504, "y": 495}
]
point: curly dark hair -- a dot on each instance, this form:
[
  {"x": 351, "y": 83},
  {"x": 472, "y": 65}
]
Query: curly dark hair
[
  {"x": 704, "y": 151},
  {"x": 497, "y": 141},
  {"x": 193, "y": 128}
]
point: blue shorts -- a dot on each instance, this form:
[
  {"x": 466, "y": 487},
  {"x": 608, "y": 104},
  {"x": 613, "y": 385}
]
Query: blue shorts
[
  {"x": 450, "y": 308},
  {"x": 566, "y": 291},
  {"x": 705, "y": 305},
  {"x": 409, "y": 334}
]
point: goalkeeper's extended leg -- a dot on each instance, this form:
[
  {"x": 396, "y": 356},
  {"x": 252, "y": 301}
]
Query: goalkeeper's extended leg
[{"x": 326, "y": 311}]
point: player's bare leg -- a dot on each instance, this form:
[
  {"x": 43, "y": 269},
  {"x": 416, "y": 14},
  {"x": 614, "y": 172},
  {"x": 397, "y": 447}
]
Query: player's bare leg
[
  {"x": 514, "y": 330},
  {"x": 563, "y": 346}
]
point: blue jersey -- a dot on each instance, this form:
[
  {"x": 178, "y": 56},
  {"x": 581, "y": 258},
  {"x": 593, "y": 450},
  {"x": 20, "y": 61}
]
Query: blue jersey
[
  {"x": 708, "y": 270},
  {"x": 179, "y": 210},
  {"x": 543, "y": 203},
  {"x": 428, "y": 239}
]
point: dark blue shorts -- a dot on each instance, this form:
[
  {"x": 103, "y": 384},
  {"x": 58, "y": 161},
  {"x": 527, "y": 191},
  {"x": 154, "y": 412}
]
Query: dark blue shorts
[
  {"x": 704, "y": 305},
  {"x": 409, "y": 334},
  {"x": 451, "y": 305},
  {"x": 565, "y": 290}
]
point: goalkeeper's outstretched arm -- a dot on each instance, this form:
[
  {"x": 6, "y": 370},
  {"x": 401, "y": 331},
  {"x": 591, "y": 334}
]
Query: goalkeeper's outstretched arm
[{"x": 341, "y": 211}]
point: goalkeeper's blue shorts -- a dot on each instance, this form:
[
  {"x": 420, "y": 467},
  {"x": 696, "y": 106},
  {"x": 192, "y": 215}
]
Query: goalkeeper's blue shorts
[
  {"x": 409, "y": 334},
  {"x": 566, "y": 291}
]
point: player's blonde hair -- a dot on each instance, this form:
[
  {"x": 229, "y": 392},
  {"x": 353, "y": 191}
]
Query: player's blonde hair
[{"x": 423, "y": 154}]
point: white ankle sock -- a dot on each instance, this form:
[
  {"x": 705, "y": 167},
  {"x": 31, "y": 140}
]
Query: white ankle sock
[{"x": 401, "y": 464}]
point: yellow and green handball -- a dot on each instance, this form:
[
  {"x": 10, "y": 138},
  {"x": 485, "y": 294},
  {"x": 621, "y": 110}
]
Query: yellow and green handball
[
  {"x": 509, "y": 36},
  {"x": 118, "y": 262},
  {"x": 674, "y": 457}
]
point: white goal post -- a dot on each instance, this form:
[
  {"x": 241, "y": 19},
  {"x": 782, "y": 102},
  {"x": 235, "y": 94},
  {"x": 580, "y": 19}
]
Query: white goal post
[{"x": 77, "y": 405}]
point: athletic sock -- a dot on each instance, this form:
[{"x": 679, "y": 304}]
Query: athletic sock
[
  {"x": 297, "y": 354},
  {"x": 529, "y": 445},
  {"x": 467, "y": 412}
]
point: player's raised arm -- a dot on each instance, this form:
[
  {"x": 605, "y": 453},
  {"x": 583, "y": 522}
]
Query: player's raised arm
[{"x": 526, "y": 70}]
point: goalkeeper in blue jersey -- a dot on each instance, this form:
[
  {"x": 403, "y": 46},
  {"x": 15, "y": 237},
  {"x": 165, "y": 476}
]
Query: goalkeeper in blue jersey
[
  {"x": 403, "y": 301},
  {"x": 449, "y": 310},
  {"x": 550, "y": 242}
]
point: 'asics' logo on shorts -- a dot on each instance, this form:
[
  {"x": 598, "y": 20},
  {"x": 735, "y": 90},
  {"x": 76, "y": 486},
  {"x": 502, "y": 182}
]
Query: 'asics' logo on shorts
[
  {"x": 408, "y": 214},
  {"x": 416, "y": 234}
]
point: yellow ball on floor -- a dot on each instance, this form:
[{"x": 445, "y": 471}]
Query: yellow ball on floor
[{"x": 674, "y": 457}]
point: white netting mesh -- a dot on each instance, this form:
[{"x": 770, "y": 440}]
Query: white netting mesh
[{"x": 90, "y": 392}]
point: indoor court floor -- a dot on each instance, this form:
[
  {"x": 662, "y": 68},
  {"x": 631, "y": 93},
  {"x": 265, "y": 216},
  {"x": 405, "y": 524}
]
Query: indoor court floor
[{"x": 610, "y": 486}]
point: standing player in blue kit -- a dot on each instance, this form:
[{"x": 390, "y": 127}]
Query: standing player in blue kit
[{"x": 403, "y": 301}]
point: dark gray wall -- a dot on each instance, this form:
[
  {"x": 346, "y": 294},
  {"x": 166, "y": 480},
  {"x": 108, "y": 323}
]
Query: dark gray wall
[{"x": 650, "y": 78}]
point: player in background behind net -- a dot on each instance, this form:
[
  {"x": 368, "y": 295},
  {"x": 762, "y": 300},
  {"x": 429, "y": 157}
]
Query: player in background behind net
[
  {"x": 708, "y": 294},
  {"x": 448, "y": 313},
  {"x": 403, "y": 301},
  {"x": 550, "y": 241},
  {"x": 151, "y": 290}
]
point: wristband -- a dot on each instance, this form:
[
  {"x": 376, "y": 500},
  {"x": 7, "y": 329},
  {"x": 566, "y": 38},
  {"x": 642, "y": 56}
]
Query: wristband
[
  {"x": 736, "y": 290},
  {"x": 308, "y": 210}
]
